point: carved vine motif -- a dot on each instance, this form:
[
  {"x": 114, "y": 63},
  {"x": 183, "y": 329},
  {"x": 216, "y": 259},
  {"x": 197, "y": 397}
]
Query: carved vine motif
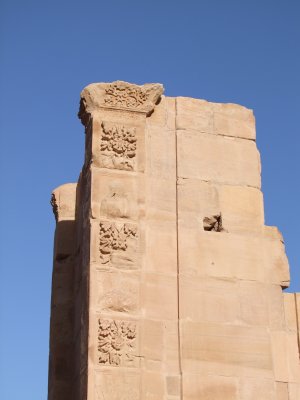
[
  {"x": 120, "y": 94},
  {"x": 116, "y": 342},
  {"x": 114, "y": 240},
  {"x": 118, "y": 146}
]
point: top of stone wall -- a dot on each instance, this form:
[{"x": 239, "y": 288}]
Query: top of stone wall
[{"x": 119, "y": 95}]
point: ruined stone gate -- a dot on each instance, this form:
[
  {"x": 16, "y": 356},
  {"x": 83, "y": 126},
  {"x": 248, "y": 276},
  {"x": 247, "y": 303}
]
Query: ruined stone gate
[{"x": 167, "y": 285}]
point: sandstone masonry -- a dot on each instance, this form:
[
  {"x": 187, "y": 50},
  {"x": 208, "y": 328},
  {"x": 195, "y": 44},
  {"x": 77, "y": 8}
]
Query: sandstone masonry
[{"x": 167, "y": 285}]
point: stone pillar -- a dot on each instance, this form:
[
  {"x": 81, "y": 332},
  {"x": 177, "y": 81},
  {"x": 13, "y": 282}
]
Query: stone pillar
[
  {"x": 132, "y": 274},
  {"x": 62, "y": 303},
  {"x": 167, "y": 285}
]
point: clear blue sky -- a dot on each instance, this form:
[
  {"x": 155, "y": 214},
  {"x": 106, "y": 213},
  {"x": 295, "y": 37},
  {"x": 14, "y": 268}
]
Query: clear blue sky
[{"x": 238, "y": 51}]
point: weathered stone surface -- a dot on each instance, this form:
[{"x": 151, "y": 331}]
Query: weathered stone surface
[
  {"x": 238, "y": 348},
  {"x": 256, "y": 388},
  {"x": 215, "y": 118},
  {"x": 218, "y": 159},
  {"x": 209, "y": 387},
  {"x": 240, "y": 207},
  {"x": 282, "y": 391},
  {"x": 167, "y": 285},
  {"x": 119, "y": 95}
]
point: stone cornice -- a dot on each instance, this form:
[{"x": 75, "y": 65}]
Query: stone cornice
[{"x": 119, "y": 95}]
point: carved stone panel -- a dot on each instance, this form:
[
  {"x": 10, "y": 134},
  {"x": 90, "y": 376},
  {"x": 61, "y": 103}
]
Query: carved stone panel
[
  {"x": 117, "y": 343},
  {"x": 117, "y": 195},
  {"x": 118, "y": 245},
  {"x": 118, "y": 146},
  {"x": 118, "y": 95},
  {"x": 117, "y": 292}
]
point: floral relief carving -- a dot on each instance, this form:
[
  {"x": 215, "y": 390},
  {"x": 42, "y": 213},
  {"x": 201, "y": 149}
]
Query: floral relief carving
[
  {"x": 118, "y": 244},
  {"x": 118, "y": 146},
  {"x": 116, "y": 342},
  {"x": 120, "y": 94}
]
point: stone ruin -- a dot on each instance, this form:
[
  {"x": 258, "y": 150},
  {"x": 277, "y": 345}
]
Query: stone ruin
[{"x": 167, "y": 285}]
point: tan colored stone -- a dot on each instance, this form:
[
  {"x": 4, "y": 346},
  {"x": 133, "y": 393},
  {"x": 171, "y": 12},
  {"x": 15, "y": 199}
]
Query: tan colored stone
[
  {"x": 279, "y": 350},
  {"x": 253, "y": 303},
  {"x": 297, "y": 295},
  {"x": 159, "y": 296},
  {"x": 163, "y": 114},
  {"x": 153, "y": 387},
  {"x": 115, "y": 385},
  {"x": 116, "y": 196},
  {"x": 209, "y": 300},
  {"x": 272, "y": 232},
  {"x": 293, "y": 357},
  {"x": 215, "y": 387},
  {"x": 171, "y": 346},
  {"x": 257, "y": 388},
  {"x": 118, "y": 95},
  {"x": 236, "y": 348},
  {"x": 116, "y": 144},
  {"x": 117, "y": 292},
  {"x": 161, "y": 247},
  {"x": 152, "y": 340},
  {"x": 277, "y": 265},
  {"x": 290, "y": 311},
  {"x": 220, "y": 254},
  {"x": 161, "y": 146},
  {"x": 282, "y": 391},
  {"x": 275, "y": 305},
  {"x": 194, "y": 114},
  {"x": 294, "y": 391},
  {"x": 234, "y": 120},
  {"x": 63, "y": 201},
  {"x": 167, "y": 285},
  {"x": 218, "y": 159},
  {"x": 285, "y": 356},
  {"x": 241, "y": 207},
  {"x": 174, "y": 385}
]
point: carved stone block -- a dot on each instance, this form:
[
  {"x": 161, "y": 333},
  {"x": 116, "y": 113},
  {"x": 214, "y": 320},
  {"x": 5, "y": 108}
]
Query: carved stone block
[
  {"x": 118, "y": 95},
  {"x": 118, "y": 245},
  {"x": 117, "y": 292},
  {"x": 117, "y": 343},
  {"x": 118, "y": 146},
  {"x": 117, "y": 195}
]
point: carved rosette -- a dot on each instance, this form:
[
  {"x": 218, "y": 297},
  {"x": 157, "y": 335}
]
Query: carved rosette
[
  {"x": 118, "y": 244},
  {"x": 118, "y": 95},
  {"x": 118, "y": 146},
  {"x": 116, "y": 342}
]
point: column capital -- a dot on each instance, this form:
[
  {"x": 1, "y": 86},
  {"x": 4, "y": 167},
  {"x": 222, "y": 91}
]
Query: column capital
[{"x": 119, "y": 95}]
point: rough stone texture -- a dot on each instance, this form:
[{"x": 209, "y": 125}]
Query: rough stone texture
[{"x": 167, "y": 285}]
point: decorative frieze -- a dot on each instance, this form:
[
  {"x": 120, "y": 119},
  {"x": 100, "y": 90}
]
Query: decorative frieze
[
  {"x": 118, "y": 244},
  {"x": 121, "y": 94},
  {"x": 116, "y": 342},
  {"x": 118, "y": 95},
  {"x": 118, "y": 146}
]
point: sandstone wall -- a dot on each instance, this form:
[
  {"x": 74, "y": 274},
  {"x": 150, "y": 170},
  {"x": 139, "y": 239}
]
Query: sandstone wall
[{"x": 166, "y": 283}]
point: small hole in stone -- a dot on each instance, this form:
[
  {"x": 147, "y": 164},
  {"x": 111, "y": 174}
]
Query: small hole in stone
[{"x": 213, "y": 223}]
